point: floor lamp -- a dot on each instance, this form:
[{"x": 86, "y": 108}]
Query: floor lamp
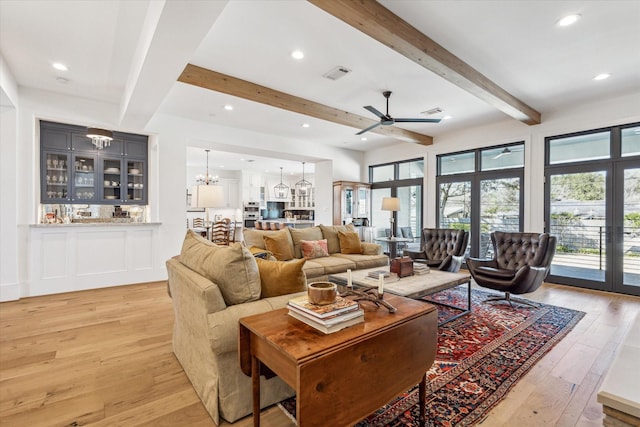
[{"x": 391, "y": 204}]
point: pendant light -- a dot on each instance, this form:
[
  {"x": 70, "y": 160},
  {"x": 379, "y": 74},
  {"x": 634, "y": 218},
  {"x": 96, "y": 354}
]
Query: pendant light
[
  {"x": 281, "y": 191},
  {"x": 101, "y": 138},
  {"x": 207, "y": 195},
  {"x": 303, "y": 187}
]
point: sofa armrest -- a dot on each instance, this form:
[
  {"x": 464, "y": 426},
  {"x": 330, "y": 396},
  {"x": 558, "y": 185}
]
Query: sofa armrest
[{"x": 371, "y": 248}]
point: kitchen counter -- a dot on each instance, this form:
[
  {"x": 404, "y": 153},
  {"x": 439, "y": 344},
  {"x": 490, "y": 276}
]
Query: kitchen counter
[{"x": 294, "y": 223}]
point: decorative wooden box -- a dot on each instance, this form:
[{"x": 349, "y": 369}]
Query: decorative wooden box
[{"x": 402, "y": 266}]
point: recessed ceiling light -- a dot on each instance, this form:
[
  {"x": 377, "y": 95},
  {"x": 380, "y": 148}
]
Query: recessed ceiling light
[
  {"x": 602, "y": 76},
  {"x": 297, "y": 54},
  {"x": 364, "y": 138},
  {"x": 228, "y": 107},
  {"x": 305, "y": 125},
  {"x": 568, "y": 20},
  {"x": 447, "y": 118},
  {"x": 59, "y": 66}
]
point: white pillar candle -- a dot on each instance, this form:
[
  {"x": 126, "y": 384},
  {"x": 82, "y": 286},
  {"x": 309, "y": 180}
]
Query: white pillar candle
[
  {"x": 380, "y": 283},
  {"x": 349, "y": 282}
]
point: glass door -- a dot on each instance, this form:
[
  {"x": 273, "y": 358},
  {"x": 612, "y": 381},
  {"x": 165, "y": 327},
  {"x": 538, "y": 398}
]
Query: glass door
[
  {"x": 500, "y": 209},
  {"x": 627, "y": 231},
  {"x": 454, "y": 207},
  {"x": 580, "y": 219}
]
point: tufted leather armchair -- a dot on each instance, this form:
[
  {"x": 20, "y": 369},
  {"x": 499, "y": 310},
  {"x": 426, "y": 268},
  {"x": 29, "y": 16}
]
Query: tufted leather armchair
[
  {"x": 521, "y": 262},
  {"x": 441, "y": 248}
]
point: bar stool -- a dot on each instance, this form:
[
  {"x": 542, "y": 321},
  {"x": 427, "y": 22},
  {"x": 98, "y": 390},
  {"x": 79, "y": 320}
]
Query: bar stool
[
  {"x": 274, "y": 225},
  {"x": 258, "y": 225}
]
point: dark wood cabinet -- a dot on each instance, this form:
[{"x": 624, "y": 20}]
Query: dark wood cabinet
[{"x": 73, "y": 171}]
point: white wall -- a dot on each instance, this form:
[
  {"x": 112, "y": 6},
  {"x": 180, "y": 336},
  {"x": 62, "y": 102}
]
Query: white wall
[
  {"x": 9, "y": 283},
  {"x": 608, "y": 112}
]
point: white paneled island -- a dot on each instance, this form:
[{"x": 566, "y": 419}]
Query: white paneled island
[{"x": 75, "y": 257}]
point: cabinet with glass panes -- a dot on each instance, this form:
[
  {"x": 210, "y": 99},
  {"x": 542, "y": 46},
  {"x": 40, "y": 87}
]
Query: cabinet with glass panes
[{"x": 74, "y": 171}]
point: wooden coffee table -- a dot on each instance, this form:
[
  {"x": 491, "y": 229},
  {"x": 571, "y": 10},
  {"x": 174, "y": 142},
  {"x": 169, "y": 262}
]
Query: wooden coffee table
[
  {"x": 415, "y": 287},
  {"x": 347, "y": 375}
]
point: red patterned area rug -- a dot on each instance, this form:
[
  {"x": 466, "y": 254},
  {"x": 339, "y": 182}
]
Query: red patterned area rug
[{"x": 480, "y": 358}]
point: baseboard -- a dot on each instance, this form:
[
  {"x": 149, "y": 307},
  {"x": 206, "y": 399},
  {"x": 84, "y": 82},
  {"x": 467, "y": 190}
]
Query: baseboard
[{"x": 9, "y": 292}]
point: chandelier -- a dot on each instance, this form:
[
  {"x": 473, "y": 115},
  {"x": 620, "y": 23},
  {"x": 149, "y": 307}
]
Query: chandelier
[
  {"x": 99, "y": 137},
  {"x": 303, "y": 187},
  {"x": 281, "y": 191}
]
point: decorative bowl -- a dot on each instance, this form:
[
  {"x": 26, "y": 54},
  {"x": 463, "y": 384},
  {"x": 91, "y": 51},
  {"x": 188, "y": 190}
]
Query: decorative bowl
[{"x": 322, "y": 293}]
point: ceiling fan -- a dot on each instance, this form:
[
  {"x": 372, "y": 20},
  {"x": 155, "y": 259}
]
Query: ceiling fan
[
  {"x": 505, "y": 152},
  {"x": 386, "y": 119}
]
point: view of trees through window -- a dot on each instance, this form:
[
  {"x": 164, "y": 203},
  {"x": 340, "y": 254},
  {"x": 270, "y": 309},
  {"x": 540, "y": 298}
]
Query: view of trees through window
[{"x": 593, "y": 208}]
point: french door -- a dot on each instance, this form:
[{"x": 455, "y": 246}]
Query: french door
[{"x": 594, "y": 211}]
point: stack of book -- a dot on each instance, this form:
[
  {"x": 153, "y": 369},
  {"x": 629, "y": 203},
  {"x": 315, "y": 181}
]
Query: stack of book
[
  {"x": 326, "y": 318},
  {"x": 375, "y": 274},
  {"x": 419, "y": 268}
]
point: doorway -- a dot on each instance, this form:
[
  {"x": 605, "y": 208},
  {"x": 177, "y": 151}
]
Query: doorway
[{"x": 592, "y": 197}]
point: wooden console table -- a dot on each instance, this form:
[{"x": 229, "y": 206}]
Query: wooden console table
[{"x": 347, "y": 375}]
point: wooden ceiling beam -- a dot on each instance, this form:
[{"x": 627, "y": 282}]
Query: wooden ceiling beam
[
  {"x": 381, "y": 24},
  {"x": 223, "y": 83}
]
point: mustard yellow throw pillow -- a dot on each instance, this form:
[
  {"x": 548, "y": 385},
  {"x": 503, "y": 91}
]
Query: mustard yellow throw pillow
[
  {"x": 349, "y": 243},
  {"x": 281, "y": 278},
  {"x": 279, "y": 245}
]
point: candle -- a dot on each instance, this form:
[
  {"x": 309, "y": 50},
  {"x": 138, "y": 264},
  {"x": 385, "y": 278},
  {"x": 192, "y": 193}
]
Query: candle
[
  {"x": 349, "y": 282},
  {"x": 380, "y": 283}
]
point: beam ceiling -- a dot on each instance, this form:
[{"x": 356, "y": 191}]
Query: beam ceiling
[
  {"x": 223, "y": 83},
  {"x": 381, "y": 24}
]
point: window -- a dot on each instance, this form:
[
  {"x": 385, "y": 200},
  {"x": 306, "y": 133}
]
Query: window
[
  {"x": 630, "y": 141},
  {"x": 589, "y": 146},
  {"x": 481, "y": 191},
  {"x": 403, "y": 180}
]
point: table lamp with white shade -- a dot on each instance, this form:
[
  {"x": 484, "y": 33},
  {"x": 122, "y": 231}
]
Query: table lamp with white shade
[{"x": 391, "y": 204}]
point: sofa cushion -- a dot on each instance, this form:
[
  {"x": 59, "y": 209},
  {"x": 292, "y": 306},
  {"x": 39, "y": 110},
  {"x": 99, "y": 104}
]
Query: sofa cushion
[
  {"x": 256, "y": 237},
  {"x": 330, "y": 232},
  {"x": 299, "y": 234},
  {"x": 349, "y": 243},
  {"x": 313, "y": 269},
  {"x": 314, "y": 248},
  {"x": 334, "y": 264},
  {"x": 281, "y": 278},
  {"x": 364, "y": 261},
  {"x": 371, "y": 248},
  {"x": 280, "y": 245},
  {"x": 233, "y": 268}
]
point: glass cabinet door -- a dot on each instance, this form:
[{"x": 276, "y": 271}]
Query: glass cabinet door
[
  {"x": 55, "y": 180},
  {"x": 136, "y": 181},
  {"x": 112, "y": 180},
  {"x": 84, "y": 182}
]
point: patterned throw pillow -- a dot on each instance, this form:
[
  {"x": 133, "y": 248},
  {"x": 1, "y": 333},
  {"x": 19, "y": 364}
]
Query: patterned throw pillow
[{"x": 314, "y": 248}]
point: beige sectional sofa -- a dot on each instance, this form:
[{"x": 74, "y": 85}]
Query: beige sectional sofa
[
  {"x": 211, "y": 288},
  {"x": 318, "y": 269}
]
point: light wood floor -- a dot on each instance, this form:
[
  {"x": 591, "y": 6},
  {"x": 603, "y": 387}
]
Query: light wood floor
[{"x": 103, "y": 357}]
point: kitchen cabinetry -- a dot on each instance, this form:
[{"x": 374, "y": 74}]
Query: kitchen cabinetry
[
  {"x": 73, "y": 171},
  {"x": 231, "y": 190},
  {"x": 350, "y": 200}
]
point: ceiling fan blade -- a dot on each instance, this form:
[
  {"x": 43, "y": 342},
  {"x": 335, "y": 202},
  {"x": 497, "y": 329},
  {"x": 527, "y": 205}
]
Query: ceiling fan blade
[
  {"x": 417, "y": 120},
  {"x": 368, "y": 129},
  {"x": 374, "y": 111}
]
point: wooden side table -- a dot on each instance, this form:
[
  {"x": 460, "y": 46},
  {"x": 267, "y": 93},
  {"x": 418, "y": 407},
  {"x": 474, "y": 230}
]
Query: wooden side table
[{"x": 346, "y": 375}]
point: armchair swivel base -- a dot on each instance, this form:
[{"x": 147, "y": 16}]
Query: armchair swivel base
[{"x": 508, "y": 298}]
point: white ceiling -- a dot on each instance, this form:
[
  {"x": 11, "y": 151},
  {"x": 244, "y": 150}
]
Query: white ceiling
[{"x": 113, "y": 48}]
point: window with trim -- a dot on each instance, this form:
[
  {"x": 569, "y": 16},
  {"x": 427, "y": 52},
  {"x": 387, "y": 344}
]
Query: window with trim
[
  {"x": 403, "y": 180},
  {"x": 481, "y": 191}
]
